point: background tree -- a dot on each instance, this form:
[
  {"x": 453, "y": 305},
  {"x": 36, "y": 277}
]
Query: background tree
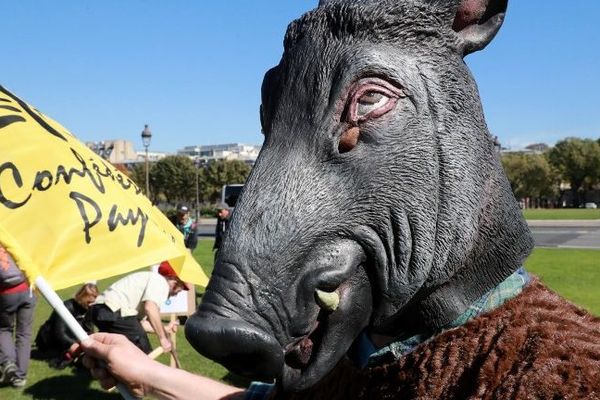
[
  {"x": 138, "y": 174},
  {"x": 222, "y": 172},
  {"x": 578, "y": 161},
  {"x": 174, "y": 177},
  {"x": 530, "y": 176}
]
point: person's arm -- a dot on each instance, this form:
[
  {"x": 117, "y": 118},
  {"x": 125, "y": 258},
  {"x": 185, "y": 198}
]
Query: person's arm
[
  {"x": 62, "y": 334},
  {"x": 192, "y": 240},
  {"x": 87, "y": 324},
  {"x": 146, "y": 325},
  {"x": 123, "y": 362},
  {"x": 171, "y": 327},
  {"x": 153, "y": 313},
  {"x": 218, "y": 234}
]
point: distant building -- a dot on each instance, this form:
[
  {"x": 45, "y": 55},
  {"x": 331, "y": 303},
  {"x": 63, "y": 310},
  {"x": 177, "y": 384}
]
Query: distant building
[
  {"x": 537, "y": 147},
  {"x": 231, "y": 151},
  {"x": 121, "y": 151},
  {"x": 153, "y": 156}
]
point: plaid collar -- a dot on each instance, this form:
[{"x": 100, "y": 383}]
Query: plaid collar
[{"x": 507, "y": 289}]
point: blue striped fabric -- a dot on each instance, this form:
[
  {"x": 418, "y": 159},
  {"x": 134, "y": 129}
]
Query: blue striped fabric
[{"x": 259, "y": 391}]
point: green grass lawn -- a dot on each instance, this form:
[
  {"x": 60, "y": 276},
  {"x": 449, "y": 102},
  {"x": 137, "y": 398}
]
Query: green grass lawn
[
  {"x": 561, "y": 213},
  {"x": 573, "y": 273}
]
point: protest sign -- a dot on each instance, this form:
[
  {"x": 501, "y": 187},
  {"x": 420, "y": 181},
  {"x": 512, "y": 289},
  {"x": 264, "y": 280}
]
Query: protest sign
[{"x": 71, "y": 216}]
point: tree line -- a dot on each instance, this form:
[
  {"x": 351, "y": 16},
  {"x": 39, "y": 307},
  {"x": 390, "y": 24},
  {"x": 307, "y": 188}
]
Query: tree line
[
  {"x": 539, "y": 178},
  {"x": 561, "y": 176},
  {"x": 173, "y": 179}
]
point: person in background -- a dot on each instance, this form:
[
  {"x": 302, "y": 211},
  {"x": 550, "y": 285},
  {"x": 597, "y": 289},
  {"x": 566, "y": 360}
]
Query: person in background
[
  {"x": 223, "y": 214},
  {"x": 54, "y": 339},
  {"x": 17, "y": 304},
  {"x": 187, "y": 226},
  {"x": 121, "y": 308}
]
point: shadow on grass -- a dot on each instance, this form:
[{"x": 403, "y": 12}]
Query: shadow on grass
[{"x": 75, "y": 386}]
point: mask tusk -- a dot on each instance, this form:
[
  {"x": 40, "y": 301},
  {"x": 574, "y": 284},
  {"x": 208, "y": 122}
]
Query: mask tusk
[{"x": 328, "y": 301}]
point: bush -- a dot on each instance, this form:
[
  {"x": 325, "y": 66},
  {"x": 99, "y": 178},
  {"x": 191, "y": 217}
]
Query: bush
[
  {"x": 170, "y": 212},
  {"x": 208, "y": 210}
]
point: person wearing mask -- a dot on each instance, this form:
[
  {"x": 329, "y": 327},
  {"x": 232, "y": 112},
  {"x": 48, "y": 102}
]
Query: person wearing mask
[
  {"x": 123, "y": 306},
  {"x": 54, "y": 339},
  {"x": 17, "y": 304}
]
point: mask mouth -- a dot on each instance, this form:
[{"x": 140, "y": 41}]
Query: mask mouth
[
  {"x": 299, "y": 346},
  {"x": 298, "y": 354},
  {"x": 308, "y": 358}
]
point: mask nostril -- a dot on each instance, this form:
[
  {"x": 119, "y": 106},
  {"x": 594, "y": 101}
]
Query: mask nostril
[{"x": 348, "y": 140}]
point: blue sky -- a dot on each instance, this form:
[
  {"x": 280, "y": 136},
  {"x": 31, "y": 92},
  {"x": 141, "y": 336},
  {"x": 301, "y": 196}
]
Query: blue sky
[{"x": 193, "y": 69}]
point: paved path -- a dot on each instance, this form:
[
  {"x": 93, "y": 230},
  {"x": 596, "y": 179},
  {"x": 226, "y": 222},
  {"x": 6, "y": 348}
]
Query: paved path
[
  {"x": 583, "y": 234},
  {"x": 573, "y": 223},
  {"x": 206, "y": 228}
]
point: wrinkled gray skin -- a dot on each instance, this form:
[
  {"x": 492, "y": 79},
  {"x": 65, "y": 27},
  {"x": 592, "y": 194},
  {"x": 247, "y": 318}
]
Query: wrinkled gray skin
[{"x": 409, "y": 224}]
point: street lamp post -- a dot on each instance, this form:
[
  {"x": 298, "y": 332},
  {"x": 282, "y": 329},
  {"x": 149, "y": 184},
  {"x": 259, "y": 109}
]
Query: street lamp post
[
  {"x": 197, "y": 163},
  {"x": 146, "y": 137}
]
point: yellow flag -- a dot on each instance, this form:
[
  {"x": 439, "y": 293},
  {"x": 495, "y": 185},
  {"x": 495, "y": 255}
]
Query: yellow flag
[{"x": 69, "y": 215}]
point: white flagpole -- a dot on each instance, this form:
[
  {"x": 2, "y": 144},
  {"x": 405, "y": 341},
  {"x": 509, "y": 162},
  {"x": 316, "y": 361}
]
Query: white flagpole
[{"x": 58, "y": 305}]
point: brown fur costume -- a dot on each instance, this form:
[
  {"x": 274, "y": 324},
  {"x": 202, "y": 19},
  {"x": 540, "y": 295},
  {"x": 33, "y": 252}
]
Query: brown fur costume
[{"x": 535, "y": 346}]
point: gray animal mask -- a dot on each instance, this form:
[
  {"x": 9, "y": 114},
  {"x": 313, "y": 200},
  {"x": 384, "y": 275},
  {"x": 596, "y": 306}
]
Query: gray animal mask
[{"x": 378, "y": 201}]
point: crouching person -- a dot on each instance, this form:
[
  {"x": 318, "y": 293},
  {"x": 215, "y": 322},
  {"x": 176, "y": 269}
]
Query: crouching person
[
  {"x": 121, "y": 308},
  {"x": 54, "y": 339}
]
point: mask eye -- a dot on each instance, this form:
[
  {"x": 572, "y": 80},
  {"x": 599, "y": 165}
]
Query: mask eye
[
  {"x": 369, "y": 102},
  {"x": 372, "y": 98}
]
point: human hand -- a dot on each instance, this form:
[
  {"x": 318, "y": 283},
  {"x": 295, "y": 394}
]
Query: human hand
[
  {"x": 113, "y": 358},
  {"x": 172, "y": 326},
  {"x": 74, "y": 349},
  {"x": 166, "y": 344}
]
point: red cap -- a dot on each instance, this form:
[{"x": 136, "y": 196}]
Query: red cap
[{"x": 167, "y": 271}]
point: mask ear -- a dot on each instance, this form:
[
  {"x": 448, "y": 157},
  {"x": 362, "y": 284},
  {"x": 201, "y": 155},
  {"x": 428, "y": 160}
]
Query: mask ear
[{"x": 477, "y": 22}]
